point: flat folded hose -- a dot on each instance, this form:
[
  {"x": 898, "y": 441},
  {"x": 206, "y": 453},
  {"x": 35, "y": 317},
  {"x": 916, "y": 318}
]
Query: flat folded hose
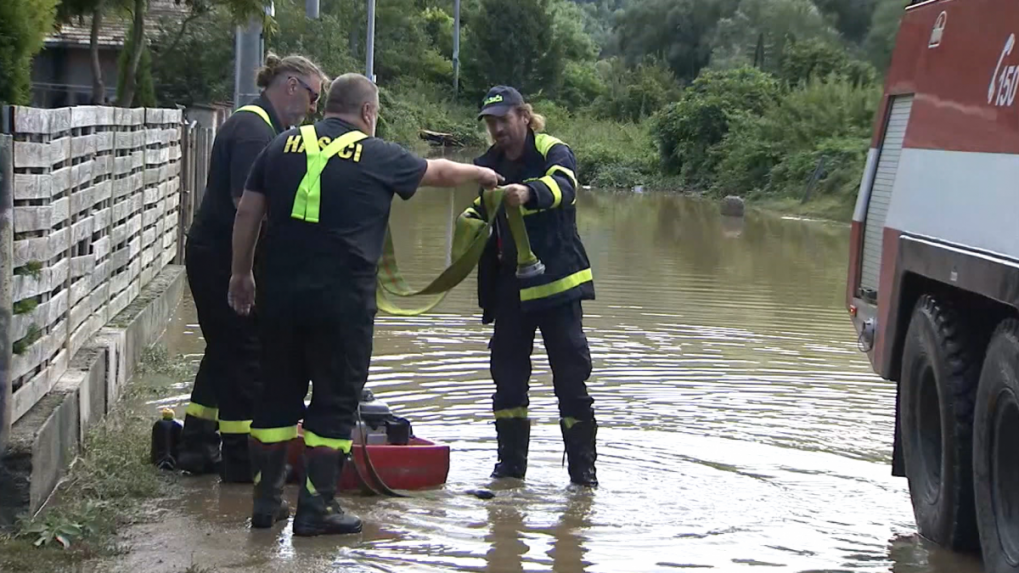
[{"x": 469, "y": 240}]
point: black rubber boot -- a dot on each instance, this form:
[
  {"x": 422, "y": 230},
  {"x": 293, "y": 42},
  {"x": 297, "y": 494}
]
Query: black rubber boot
[
  {"x": 235, "y": 466},
  {"x": 514, "y": 437},
  {"x": 318, "y": 512},
  {"x": 269, "y": 463},
  {"x": 198, "y": 452},
  {"x": 580, "y": 449}
]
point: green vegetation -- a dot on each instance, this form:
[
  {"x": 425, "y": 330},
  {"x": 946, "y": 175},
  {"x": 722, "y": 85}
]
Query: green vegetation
[
  {"x": 106, "y": 488},
  {"x": 23, "y": 27},
  {"x": 674, "y": 94}
]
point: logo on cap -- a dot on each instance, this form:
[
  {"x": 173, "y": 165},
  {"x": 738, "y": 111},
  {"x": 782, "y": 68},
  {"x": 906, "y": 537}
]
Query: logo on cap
[{"x": 493, "y": 99}]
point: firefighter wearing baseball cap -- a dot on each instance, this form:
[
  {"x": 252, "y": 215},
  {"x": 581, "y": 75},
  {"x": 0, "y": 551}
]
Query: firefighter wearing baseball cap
[
  {"x": 540, "y": 173},
  {"x": 327, "y": 189}
]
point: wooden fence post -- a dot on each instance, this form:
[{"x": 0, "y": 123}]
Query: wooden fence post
[{"x": 6, "y": 276}]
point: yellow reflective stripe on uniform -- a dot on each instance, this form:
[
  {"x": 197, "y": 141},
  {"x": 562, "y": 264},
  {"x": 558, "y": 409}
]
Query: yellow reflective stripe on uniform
[
  {"x": 313, "y": 440},
  {"x": 573, "y": 178},
  {"x": 311, "y": 149},
  {"x": 570, "y": 422},
  {"x": 307, "y": 201},
  {"x": 310, "y": 486},
  {"x": 562, "y": 285},
  {"x": 274, "y": 435},
  {"x": 203, "y": 412},
  {"x": 545, "y": 142},
  {"x": 260, "y": 113},
  {"x": 472, "y": 211},
  {"x": 235, "y": 426},
  {"x": 511, "y": 413},
  {"x": 553, "y": 186},
  {"x": 477, "y": 202}
]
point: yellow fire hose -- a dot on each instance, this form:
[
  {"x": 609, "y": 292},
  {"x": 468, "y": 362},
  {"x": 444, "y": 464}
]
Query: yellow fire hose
[{"x": 469, "y": 239}]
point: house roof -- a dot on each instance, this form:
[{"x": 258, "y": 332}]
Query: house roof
[{"x": 114, "y": 29}]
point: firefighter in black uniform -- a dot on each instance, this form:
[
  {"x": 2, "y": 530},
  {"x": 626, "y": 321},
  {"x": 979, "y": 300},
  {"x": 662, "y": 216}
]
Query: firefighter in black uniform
[
  {"x": 327, "y": 189},
  {"x": 540, "y": 171},
  {"x": 228, "y": 377}
]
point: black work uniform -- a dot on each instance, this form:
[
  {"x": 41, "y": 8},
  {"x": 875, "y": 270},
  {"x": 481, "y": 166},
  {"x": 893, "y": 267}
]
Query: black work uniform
[
  {"x": 316, "y": 293},
  {"x": 550, "y": 302},
  {"x": 228, "y": 376}
]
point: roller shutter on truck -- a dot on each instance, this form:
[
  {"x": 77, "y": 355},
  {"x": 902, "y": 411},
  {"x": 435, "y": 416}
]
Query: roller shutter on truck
[{"x": 881, "y": 192}]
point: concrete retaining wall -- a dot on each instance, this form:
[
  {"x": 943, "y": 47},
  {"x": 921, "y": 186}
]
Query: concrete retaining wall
[{"x": 48, "y": 437}]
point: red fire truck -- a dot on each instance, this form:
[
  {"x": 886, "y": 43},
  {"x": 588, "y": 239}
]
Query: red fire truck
[{"x": 933, "y": 285}]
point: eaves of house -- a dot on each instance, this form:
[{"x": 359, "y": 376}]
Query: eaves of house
[{"x": 77, "y": 34}]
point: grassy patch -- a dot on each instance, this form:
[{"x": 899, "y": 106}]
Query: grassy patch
[
  {"x": 830, "y": 207},
  {"x": 105, "y": 489}
]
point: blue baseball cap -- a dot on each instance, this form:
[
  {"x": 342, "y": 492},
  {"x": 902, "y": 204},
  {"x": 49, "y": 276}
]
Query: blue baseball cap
[{"x": 500, "y": 100}]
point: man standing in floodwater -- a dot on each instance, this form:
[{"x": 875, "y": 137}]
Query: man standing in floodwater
[
  {"x": 228, "y": 378},
  {"x": 327, "y": 189},
  {"x": 541, "y": 172}
]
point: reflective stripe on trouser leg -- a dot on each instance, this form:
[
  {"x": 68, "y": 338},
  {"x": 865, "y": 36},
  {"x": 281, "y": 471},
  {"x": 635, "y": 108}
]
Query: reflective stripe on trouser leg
[
  {"x": 202, "y": 412},
  {"x": 313, "y": 440},
  {"x": 235, "y": 426},
  {"x": 511, "y": 413},
  {"x": 274, "y": 435}
]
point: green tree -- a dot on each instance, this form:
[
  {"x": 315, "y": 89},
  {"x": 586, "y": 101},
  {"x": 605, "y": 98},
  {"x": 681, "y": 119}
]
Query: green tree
[
  {"x": 128, "y": 84},
  {"x": 24, "y": 25},
  {"x": 677, "y": 32},
  {"x": 325, "y": 40},
  {"x": 820, "y": 59},
  {"x": 568, "y": 29},
  {"x": 189, "y": 66},
  {"x": 760, "y": 30},
  {"x": 142, "y": 92},
  {"x": 514, "y": 43},
  {"x": 885, "y": 27},
  {"x": 689, "y": 130},
  {"x": 71, "y": 10},
  {"x": 636, "y": 92},
  {"x": 852, "y": 17}
]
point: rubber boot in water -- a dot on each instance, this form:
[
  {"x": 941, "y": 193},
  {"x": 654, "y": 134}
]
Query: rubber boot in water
[
  {"x": 198, "y": 453},
  {"x": 235, "y": 466},
  {"x": 579, "y": 436},
  {"x": 318, "y": 512},
  {"x": 514, "y": 438},
  {"x": 269, "y": 461}
]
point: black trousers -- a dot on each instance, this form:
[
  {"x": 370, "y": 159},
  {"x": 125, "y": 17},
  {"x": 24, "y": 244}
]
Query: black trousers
[
  {"x": 326, "y": 339},
  {"x": 568, "y": 354},
  {"x": 228, "y": 377}
]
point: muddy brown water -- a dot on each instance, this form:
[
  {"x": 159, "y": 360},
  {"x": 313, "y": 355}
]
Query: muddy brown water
[{"x": 741, "y": 429}]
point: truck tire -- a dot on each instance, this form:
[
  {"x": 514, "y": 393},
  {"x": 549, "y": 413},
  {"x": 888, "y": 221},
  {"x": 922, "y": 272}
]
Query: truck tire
[
  {"x": 995, "y": 455},
  {"x": 938, "y": 387}
]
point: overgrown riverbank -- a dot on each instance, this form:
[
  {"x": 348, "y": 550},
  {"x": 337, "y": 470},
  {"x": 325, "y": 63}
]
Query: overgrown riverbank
[
  {"x": 791, "y": 148},
  {"x": 110, "y": 486},
  {"x": 763, "y": 99}
]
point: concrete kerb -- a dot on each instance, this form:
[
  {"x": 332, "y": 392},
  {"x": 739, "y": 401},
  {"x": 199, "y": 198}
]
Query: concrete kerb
[{"x": 46, "y": 440}]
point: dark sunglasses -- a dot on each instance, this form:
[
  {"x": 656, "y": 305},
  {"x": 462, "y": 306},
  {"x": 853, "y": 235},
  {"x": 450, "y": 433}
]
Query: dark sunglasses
[{"x": 312, "y": 93}]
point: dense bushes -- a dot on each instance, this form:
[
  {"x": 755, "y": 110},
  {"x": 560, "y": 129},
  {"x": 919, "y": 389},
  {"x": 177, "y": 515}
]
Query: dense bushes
[{"x": 741, "y": 132}]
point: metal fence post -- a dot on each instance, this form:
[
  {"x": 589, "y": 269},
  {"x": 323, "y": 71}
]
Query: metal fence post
[{"x": 6, "y": 278}]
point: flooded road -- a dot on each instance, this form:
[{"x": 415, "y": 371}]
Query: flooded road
[{"x": 740, "y": 427}]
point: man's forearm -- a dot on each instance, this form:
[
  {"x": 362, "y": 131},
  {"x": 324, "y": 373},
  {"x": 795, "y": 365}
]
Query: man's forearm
[{"x": 453, "y": 174}]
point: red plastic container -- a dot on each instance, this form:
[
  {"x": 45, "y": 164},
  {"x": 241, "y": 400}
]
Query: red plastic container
[{"x": 421, "y": 464}]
